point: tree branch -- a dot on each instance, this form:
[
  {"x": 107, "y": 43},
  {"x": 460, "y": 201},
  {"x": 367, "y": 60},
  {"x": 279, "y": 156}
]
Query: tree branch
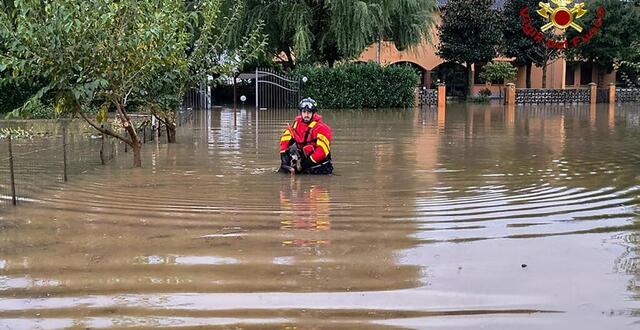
[
  {"x": 160, "y": 119},
  {"x": 103, "y": 130}
]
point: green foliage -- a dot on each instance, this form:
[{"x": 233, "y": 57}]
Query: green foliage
[
  {"x": 525, "y": 50},
  {"x": 497, "y": 72},
  {"x": 14, "y": 95},
  {"x": 34, "y": 109},
  {"x": 482, "y": 97},
  {"x": 326, "y": 31},
  {"x": 92, "y": 48},
  {"x": 630, "y": 68},
  {"x": 618, "y": 32},
  {"x": 358, "y": 85},
  {"x": 515, "y": 42},
  {"x": 469, "y": 32},
  {"x": 210, "y": 51}
]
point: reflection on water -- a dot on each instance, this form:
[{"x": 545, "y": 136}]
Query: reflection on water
[{"x": 521, "y": 217}]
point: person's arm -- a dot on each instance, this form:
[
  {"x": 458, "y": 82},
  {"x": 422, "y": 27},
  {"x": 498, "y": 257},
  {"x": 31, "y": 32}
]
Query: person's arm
[{"x": 323, "y": 142}]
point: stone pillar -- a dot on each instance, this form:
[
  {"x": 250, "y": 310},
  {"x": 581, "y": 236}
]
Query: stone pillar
[
  {"x": 612, "y": 115},
  {"x": 442, "y": 95},
  {"x": 441, "y": 118},
  {"x": 612, "y": 93},
  {"x": 593, "y": 88},
  {"x": 510, "y": 115},
  {"x": 510, "y": 94}
]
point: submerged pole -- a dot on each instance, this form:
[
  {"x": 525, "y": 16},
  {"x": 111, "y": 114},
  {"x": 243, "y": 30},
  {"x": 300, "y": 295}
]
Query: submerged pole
[
  {"x": 64, "y": 152},
  {"x": 102, "y": 161},
  {"x": 14, "y": 200}
]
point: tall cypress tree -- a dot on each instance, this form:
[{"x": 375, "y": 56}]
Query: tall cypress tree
[
  {"x": 516, "y": 43},
  {"x": 469, "y": 33}
]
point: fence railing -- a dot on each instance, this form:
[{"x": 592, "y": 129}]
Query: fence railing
[
  {"x": 627, "y": 95},
  {"x": 591, "y": 94},
  {"x": 552, "y": 96},
  {"x": 428, "y": 97},
  {"x": 58, "y": 151}
]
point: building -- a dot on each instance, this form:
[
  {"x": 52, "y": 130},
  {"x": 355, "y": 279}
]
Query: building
[{"x": 560, "y": 72}]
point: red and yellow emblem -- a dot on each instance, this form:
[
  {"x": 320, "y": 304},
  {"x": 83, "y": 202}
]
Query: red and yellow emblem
[{"x": 561, "y": 16}]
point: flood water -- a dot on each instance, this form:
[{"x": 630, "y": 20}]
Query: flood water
[{"x": 478, "y": 217}]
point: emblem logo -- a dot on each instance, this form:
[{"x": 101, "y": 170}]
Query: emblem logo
[{"x": 561, "y": 16}]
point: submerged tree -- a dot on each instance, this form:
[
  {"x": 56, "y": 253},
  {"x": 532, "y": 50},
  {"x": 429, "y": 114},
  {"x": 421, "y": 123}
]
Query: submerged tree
[
  {"x": 327, "y": 31},
  {"x": 94, "y": 50},
  {"x": 515, "y": 42},
  {"x": 112, "y": 53}
]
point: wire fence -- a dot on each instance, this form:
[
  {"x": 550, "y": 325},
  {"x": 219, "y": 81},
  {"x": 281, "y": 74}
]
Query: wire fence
[{"x": 58, "y": 151}]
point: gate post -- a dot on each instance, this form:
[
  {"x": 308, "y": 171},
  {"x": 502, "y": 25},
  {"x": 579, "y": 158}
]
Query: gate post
[
  {"x": 257, "y": 93},
  {"x": 510, "y": 94},
  {"x": 442, "y": 95},
  {"x": 593, "y": 90}
]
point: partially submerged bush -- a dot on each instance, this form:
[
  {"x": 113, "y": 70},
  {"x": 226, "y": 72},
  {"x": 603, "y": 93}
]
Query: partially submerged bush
[{"x": 360, "y": 85}]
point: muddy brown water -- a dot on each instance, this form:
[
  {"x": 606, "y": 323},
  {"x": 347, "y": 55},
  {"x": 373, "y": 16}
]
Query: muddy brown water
[{"x": 482, "y": 217}]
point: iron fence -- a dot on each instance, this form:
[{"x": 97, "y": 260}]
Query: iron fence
[
  {"x": 428, "y": 97},
  {"x": 627, "y": 95},
  {"x": 552, "y": 96},
  {"x": 61, "y": 151}
]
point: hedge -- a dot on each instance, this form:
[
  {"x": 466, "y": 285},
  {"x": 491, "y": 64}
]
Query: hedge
[{"x": 360, "y": 85}]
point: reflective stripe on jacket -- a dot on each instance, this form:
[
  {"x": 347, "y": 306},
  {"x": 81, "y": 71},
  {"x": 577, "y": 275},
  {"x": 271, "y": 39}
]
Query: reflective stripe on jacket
[{"x": 316, "y": 133}]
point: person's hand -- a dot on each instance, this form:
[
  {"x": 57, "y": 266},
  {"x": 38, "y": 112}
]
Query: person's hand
[{"x": 308, "y": 150}]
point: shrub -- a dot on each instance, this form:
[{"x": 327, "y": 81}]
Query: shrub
[
  {"x": 33, "y": 109},
  {"x": 498, "y": 72},
  {"x": 485, "y": 92},
  {"x": 360, "y": 85}
]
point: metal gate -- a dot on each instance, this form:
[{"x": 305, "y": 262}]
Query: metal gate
[{"x": 274, "y": 90}]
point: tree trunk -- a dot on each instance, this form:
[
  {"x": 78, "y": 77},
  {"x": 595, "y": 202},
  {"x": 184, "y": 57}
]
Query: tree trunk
[
  {"x": 544, "y": 75},
  {"x": 171, "y": 131},
  {"x": 529, "y": 66},
  {"x": 290, "y": 63},
  {"x": 137, "y": 154},
  {"x": 136, "y": 145}
]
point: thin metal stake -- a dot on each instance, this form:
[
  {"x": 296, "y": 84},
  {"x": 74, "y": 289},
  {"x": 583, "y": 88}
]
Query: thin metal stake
[
  {"x": 14, "y": 200},
  {"x": 102, "y": 161},
  {"x": 64, "y": 152}
]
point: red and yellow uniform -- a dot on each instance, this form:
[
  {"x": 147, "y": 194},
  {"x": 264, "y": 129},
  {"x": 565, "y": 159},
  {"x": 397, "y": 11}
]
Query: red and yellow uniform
[{"x": 314, "y": 138}]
